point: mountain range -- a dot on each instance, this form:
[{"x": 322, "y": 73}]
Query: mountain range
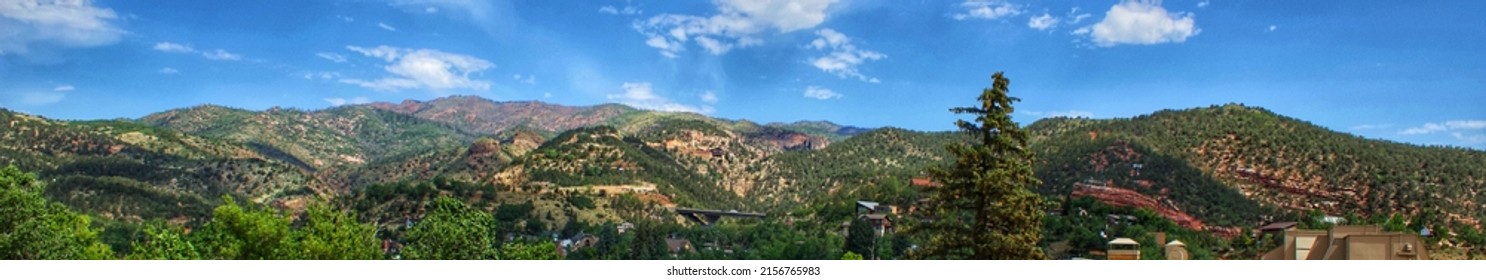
[{"x": 1218, "y": 169}]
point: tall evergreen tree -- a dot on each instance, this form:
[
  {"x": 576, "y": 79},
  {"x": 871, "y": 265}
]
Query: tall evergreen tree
[{"x": 985, "y": 208}]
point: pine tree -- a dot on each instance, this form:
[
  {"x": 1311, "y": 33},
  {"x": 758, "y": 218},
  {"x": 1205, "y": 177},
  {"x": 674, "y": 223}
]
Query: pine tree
[{"x": 985, "y": 208}]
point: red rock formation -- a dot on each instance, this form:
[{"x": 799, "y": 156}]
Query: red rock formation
[{"x": 1124, "y": 197}]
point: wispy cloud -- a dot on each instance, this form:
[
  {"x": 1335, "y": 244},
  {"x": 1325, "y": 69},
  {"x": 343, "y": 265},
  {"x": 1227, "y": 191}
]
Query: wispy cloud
[
  {"x": 27, "y": 23},
  {"x": 642, "y": 95},
  {"x": 1362, "y": 127},
  {"x": 337, "y": 101},
  {"x": 324, "y": 75},
  {"x": 220, "y": 54},
  {"x": 842, "y": 57},
  {"x": 63, "y": 88},
  {"x": 1203, "y": 4},
  {"x": 173, "y": 48},
  {"x": 335, "y": 57},
  {"x": 627, "y": 10},
  {"x": 1271, "y": 28},
  {"x": 525, "y": 79},
  {"x": 168, "y": 71},
  {"x": 987, "y": 9},
  {"x": 423, "y": 68},
  {"x": 709, "y": 97},
  {"x": 1140, "y": 22},
  {"x": 821, "y": 93},
  {"x": 387, "y": 27},
  {"x": 346, "y": 18},
  {"x": 1043, "y": 22},
  {"x": 217, "y": 54},
  {"x": 738, "y": 24},
  {"x": 1453, "y": 126}
]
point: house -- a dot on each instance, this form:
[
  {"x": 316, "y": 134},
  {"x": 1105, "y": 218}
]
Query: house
[
  {"x": 880, "y": 222},
  {"x": 1124, "y": 249},
  {"x": 923, "y": 182},
  {"x": 718, "y": 152},
  {"x": 1277, "y": 227},
  {"x": 1348, "y": 243},
  {"x": 870, "y": 207},
  {"x": 626, "y": 226},
  {"x": 677, "y": 245}
]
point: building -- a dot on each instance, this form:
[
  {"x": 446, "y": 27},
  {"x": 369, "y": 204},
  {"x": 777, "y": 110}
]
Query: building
[
  {"x": 1123, "y": 249},
  {"x": 1177, "y": 251},
  {"x": 626, "y": 226},
  {"x": 678, "y": 246},
  {"x": 1348, "y": 243},
  {"x": 881, "y": 224}
]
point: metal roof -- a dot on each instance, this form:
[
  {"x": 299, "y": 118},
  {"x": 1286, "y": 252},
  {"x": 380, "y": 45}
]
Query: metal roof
[{"x": 1124, "y": 241}]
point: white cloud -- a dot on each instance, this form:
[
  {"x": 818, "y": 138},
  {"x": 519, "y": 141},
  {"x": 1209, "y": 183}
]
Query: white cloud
[
  {"x": 642, "y": 95},
  {"x": 337, "y": 58},
  {"x": 1042, "y": 22},
  {"x": 423, "y": 68},
  {"x": 387, "y": 27},
  {"x": 987, "y": 9},
  {"x": 64, "y": 88},
  {"x": 173, "y": 48},
  {"x": 168, "y": 70},
  {"x": 1141, "y": 22},
  {"x": 74, "y": 23},
  {"x": 217, "y": 54},
  {"x": 43, "y": 98},
  {"x": 1202, "y": 4},
  {"x": 738, "y": 24},
  {"x": 430, "y": 10},
  {"x": 220, "y": 54},
  {"x": 1077, "y": 17},
  {"x": 841, "y": 57},
  {"x": 337, "y": 101},
  {"x": 346, "y": 18},
  {"x": 321, "y": 75},
  {"x": 546, "y": 95},
  {"x": 1454, "y": 126},
  {"x": 627, "y": 10},
  {"x": 383, "y": 52},
  {"x": 527, "y": 79},
  {"x": 709, "y": 97},
  {"x": 1470, "y": 139},
  {"x": 820, "y": 93},
  {"x": 1272, "y": 28}
]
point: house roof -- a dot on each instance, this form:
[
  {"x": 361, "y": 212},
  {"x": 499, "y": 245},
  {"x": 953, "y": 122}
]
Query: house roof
[
  {"x": 875, "y": 216},
  {"x": 1278, "y": 226},
  {"x": 1124, "y": 241},
  {"x": 1177, "y": 243},
  {"x": 868, "y": 204}
]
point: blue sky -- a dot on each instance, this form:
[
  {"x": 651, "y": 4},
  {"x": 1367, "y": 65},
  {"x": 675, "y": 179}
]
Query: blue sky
[{"x": 1402, "y": 71}]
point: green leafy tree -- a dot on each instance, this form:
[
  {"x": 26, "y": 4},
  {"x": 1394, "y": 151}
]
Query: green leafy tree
[
  {"x": 33, "y": 228},
  {"x": 452, "y": 231},
  {"x": 162, "y": 242},
  {"x": 239, "y": 233},
  {"x": 851, "y": 256},
  {"x": 334, "y": 235},
  {"x": 529, "y": 251},
  {"x": 986, "y": 208},
  {"x": 860, "y": 237}
]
